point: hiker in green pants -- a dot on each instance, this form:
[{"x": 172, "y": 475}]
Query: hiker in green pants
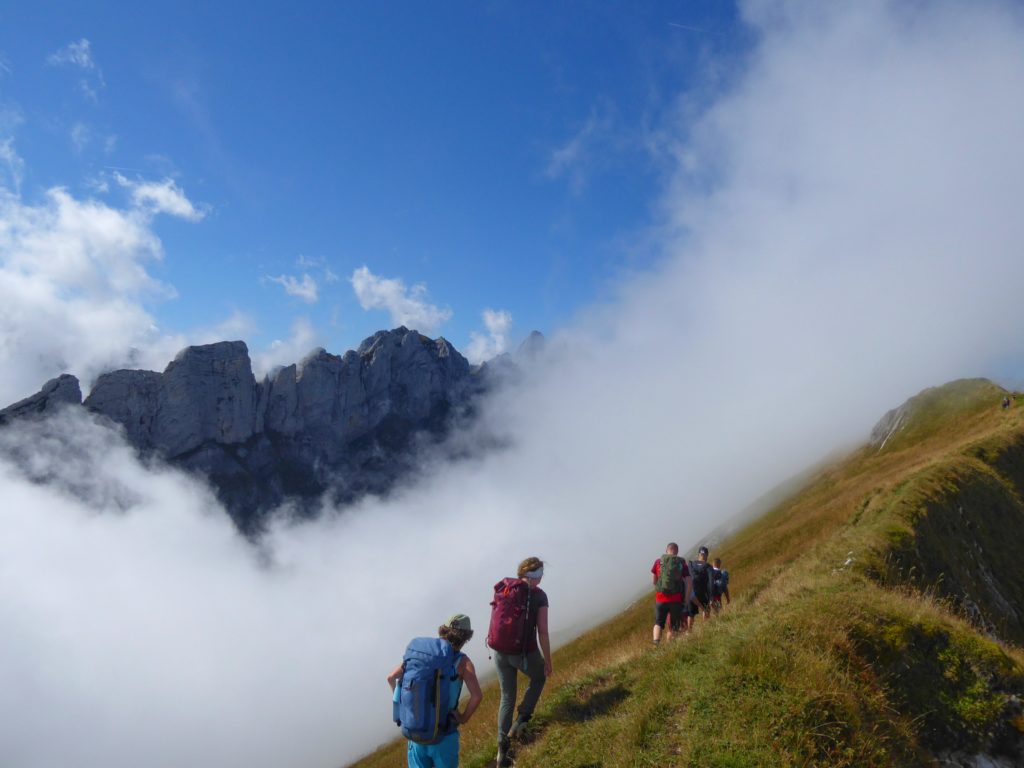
[{"x": 518, "y": 635}]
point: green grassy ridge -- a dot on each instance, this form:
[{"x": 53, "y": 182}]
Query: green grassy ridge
[
  {"x": 934, "y": 411},
  {"x": 805, "y": 675},
  {"x": 949, "y": 532},
  {"x": 845, "y": 645}
]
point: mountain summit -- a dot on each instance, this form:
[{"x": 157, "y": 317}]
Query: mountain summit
[{"x": 343, "y": 425}]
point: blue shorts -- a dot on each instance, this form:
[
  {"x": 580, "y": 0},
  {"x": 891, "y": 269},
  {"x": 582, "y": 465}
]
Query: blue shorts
[{"x": 444, "y": 754}]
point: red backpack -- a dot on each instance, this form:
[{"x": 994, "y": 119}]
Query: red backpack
[{"x": 510, "y": 611}]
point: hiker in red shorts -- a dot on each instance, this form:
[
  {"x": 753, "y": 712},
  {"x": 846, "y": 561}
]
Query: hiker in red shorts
[{"x": 671, "y": 579}]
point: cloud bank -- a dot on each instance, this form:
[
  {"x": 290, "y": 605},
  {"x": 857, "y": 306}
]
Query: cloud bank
[
  {"x": 840, "y": 231},
  {"x": 73, "y": 282}
]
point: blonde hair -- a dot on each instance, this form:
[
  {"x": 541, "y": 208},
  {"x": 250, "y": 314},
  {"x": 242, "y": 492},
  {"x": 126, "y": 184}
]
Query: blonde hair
[{"x": 529, "y": 564}]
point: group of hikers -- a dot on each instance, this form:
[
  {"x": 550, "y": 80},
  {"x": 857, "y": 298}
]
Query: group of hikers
[
  {"x": 427, "y": 685},
  {"x": 685, "y": 590}
]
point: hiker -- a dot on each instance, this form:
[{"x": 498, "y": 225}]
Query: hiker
[
  {"x": 700, "y": 594},
  {"x": 719, "y": 586},
  {"x": 518, "y": 635},
  {"x": 1006, "y": 402},
  {"x": 432, "y": 731},
  {"x": 671, "y": 579}
]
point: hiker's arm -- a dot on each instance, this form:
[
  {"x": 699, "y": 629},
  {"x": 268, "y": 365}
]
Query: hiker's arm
[
  {"x": 689, "y": 590},
  {"x": 395, "y": 676},
  {"x": 475, "y": 694},
  {"x": 542, "y": 636},
  {"x": 728, "y": 599}
]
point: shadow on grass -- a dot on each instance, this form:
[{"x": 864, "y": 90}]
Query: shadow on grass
[{"x": 577, "y": 710}]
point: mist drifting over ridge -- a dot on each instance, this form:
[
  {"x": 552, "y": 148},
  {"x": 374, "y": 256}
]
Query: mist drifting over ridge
[{"x": 840, "y": 230}]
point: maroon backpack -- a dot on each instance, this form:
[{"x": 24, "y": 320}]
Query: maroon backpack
[{"x": 510, "y": 611}]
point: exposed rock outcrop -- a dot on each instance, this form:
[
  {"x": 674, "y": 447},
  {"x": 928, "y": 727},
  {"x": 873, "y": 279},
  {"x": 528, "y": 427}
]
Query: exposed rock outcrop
[
  {"x": 63, "y": 390},
  {"x": 346, "y": 424}
]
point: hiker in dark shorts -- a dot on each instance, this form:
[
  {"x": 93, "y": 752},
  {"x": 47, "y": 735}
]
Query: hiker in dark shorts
[
  {"x": 719, "y": 586},
  {"x": 457, "y": 631},
  {"x": 534, "y": 659},
  {"x": 700, "y": 594},
  {"x": 670, "y": 592}
]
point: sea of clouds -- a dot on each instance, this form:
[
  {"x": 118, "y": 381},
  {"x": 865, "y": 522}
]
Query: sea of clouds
[{"x": 841, "y": 228}]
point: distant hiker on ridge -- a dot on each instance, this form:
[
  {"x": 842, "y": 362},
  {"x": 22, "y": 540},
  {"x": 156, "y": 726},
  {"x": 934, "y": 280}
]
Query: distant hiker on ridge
[
  {"x": 519, "y": 624},
  {"x": 671, "y": 579},
  {"x": 1006, "y": 402},
  {"x": 700, "y": 596},
  {"x": 433, "y": 670},
  {"x": 719, "y": 586}
]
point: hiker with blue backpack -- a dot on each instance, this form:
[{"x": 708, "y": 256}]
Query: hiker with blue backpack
[
  {"x": 518, "y": 635},
  {"x": 719, "y": 586},
  {"x": 426, "y": 688}
]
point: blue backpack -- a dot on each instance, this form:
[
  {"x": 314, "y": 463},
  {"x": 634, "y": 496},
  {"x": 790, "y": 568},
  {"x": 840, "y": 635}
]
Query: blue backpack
[
  {"x": 719, "y": 582},
  {"x": 429, "y": 688}
]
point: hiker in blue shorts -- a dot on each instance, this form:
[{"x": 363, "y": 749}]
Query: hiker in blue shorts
[{"x": 429, "y": 662}]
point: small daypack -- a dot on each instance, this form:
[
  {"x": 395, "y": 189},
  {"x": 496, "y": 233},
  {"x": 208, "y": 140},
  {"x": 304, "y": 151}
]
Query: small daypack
[
  {"x": 510, "y": 612},
  {"x": 700, "y": 572},
  {"x": 422, "y": 708},
  {"x": 719, "y": 582},
  {"x": 670, "y": 574}
]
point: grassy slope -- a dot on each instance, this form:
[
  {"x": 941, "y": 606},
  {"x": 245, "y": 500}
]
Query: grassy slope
[{"x": 846, "y": 643}]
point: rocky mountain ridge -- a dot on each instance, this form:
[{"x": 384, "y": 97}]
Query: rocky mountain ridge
[{"x": 343, "y": 425}]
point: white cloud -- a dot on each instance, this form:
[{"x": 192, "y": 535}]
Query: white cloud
[
  {"x": 303, "y": 340},
  {"x": 160, "y": 197},
  {"x": 305, "y": 289},
  {"x": 483, "y": 347},
  {"x": 306, "y": 262},
  {"x": 79, "y": 56},
  {"x": 406, "y": 306},
  {"x": 576, "y": 159},
  {"x": 80, "y": 136},
  {"x": 236, "y": 326},
  {"x": 14, "y": 165},
  {"x": 73, "y": 285}
]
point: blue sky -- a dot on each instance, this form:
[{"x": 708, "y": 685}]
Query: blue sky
[{"x": 505, "y": 156}]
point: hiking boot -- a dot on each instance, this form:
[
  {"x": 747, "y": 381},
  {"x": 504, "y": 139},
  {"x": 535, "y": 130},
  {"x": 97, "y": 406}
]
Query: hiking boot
[
  {"x": 504, "y": 759},
  {"x": 516, "y": 731}
]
